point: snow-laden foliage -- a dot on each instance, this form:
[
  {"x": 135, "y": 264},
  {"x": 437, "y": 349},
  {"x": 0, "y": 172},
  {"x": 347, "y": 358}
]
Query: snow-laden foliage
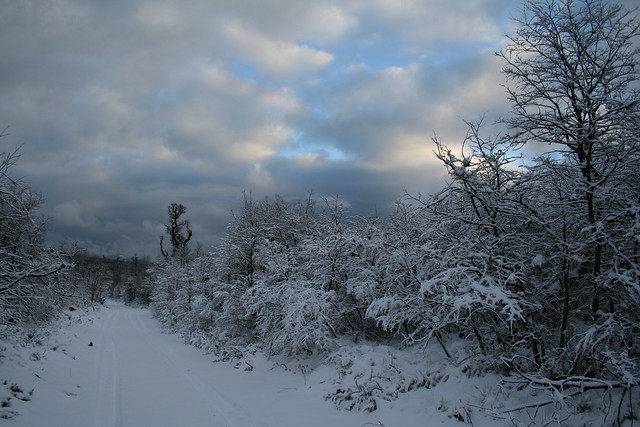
[
  {"x": 292, "y": 318},
  {"x": 32, "y": 286},
  {"x": 533, "y": 262},
  {"x": 367, "y": 375}
]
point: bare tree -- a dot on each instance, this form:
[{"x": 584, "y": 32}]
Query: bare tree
[{"x": 176, "y": 230}]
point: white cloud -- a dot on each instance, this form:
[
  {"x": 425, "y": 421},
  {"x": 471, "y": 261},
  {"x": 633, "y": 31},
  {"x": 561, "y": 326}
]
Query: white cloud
[
  {"x": 229, "y": 120},
  {"x": 324, "y": 23},
  {"x": 427, "y": 22},
  {"x": 160, "y": 17},
  {"x": 114, "y": 106},
  {"x": 386, "y": 119},
  {"x": 320, "y": 21},
  {"x": 275, "y": 57},
  {"x": 261, "y": 179}
]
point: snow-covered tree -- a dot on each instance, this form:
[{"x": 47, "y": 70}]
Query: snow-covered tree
[
  {"x": 464, "y": 272},
  {"x": 573, "y": 69},
  {"x": 539, "y": 261},
  {"x": 30, "y": 289}
]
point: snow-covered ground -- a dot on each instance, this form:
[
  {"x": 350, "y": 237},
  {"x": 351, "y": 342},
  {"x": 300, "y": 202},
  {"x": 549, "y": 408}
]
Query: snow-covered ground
[{"x": 116, "y": 367}]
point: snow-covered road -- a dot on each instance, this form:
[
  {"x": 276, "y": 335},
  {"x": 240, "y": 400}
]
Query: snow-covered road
[
  {"x": 143, "y": 375},
  {"x": 117, "y": 368}
]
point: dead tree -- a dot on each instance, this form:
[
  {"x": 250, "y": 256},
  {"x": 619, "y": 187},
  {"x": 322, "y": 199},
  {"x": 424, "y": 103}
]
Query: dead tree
[{"x": 176, "y": 231}]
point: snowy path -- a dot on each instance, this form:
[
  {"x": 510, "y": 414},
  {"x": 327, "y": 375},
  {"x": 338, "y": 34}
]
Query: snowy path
[
  {"x": 134, "y": 375},
  {"x": 144, "y": 376}
]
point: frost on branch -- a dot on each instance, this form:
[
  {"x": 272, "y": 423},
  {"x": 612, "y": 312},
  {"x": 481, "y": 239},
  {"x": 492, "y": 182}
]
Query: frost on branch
[
  {"x": 292, "y": 319},
  {"x": 32, "y": 286}
]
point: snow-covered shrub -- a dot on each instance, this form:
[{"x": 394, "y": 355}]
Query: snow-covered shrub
[
  {"x": 291, "y": 318},
  {"x": 366, "y": 374}
]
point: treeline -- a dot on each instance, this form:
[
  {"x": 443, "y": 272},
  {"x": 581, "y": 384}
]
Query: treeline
[
  {"x": 535, "y": 262},
  {"x": 121, "y": 278}
]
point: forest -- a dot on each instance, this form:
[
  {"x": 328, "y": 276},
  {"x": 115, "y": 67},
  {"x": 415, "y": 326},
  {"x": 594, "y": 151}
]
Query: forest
[{"x": 529, "y": 257}]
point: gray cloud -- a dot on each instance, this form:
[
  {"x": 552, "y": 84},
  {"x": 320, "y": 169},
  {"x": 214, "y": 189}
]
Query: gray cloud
[{"x": 126, "y": 106}]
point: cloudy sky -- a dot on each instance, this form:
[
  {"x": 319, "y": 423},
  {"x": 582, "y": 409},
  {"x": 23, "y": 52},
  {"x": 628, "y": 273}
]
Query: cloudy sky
[{"x": 125, "y": 106}]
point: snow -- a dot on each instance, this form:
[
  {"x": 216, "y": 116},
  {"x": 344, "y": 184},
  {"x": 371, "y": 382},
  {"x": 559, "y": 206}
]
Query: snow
[
  {"x": 538, "y": 260},
  {"x": 116, "y": 367}
]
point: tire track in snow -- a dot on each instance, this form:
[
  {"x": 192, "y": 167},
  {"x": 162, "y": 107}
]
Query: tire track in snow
[
  {"x": 109, "y": 396},
  {"x": 228, "y": 414}
]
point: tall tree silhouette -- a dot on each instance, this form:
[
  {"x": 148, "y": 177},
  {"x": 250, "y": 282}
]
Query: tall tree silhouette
[{"x": 176, "y": 231}]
